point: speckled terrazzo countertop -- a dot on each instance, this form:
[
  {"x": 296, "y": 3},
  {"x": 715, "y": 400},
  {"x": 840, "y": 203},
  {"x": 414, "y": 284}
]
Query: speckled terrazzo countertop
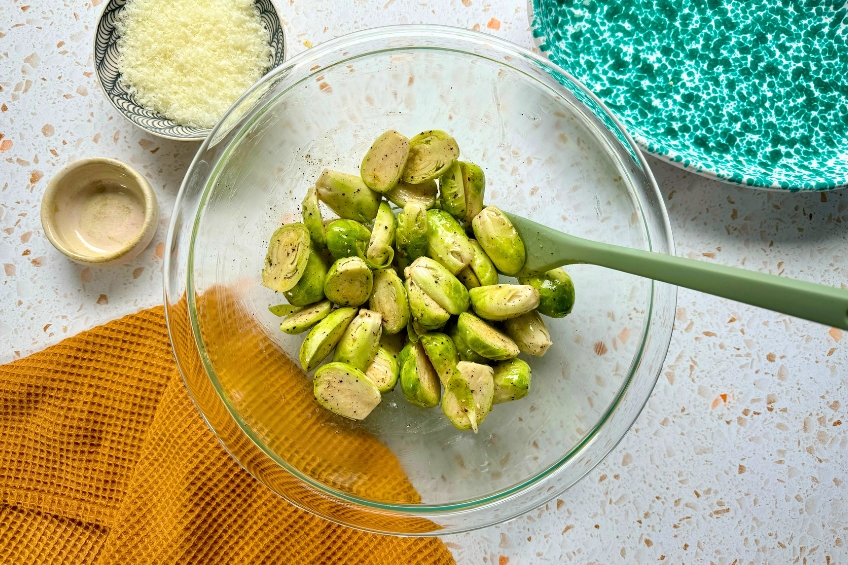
[{"x": 740, "y": 456}]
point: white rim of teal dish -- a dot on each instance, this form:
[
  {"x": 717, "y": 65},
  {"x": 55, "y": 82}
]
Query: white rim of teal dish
[
  {"x": 670, "y": 156},
  {"x": 104, "y": 55}
]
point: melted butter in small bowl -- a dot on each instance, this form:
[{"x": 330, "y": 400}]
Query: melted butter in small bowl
[{"x": 99, "y": 211}]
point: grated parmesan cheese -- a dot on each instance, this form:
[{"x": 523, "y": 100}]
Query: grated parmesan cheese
[{"x": 189, "y": 60}]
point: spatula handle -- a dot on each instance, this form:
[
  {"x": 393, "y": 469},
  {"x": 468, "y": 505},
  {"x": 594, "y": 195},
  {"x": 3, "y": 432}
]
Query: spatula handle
[
  {"x": 549, "y": 248},
  {"x": 810, "y": 301}
]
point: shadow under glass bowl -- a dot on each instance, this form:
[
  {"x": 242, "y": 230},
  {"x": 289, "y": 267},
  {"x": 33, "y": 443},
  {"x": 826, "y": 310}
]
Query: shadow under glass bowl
[{"x": 550, "y": 151}]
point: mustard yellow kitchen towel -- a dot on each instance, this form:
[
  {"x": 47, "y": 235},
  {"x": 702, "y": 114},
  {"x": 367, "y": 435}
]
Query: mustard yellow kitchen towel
[{"x": 104, "y": 459}]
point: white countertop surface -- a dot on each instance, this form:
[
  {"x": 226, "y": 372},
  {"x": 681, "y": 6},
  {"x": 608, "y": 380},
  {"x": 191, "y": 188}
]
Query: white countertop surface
[{"x": 741, "y": 455}]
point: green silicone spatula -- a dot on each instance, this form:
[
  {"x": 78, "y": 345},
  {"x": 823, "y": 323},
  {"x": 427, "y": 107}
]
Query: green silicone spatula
[{"x": 548, "y": 248}]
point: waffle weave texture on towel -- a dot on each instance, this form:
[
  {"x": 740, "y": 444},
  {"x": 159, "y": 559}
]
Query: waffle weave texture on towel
[{"x": 104, "y": 459}]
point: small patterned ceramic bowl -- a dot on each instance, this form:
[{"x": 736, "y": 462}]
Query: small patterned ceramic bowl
[{"x": 106, "y": 65}]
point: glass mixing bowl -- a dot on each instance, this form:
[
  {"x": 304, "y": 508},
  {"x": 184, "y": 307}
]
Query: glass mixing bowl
[{"x": 550, "y": 151}]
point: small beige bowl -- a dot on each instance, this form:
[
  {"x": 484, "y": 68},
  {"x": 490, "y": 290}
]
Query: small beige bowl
[{"x": 99, "y": 212}]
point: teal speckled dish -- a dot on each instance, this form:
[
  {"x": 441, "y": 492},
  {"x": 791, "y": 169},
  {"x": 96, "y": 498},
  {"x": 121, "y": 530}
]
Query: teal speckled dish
[{"x": 748, "y": 92}]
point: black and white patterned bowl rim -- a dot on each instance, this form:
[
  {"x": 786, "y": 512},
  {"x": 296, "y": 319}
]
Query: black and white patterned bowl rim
[{"x": 106, "y": 65}]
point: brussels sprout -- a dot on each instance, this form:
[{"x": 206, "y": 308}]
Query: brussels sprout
[
  {"x": 431, "y": 153},
  {"x": 442, "y": 354},
  {"x": 380, "y": 252},
  {"x": 349, "y": 282},
  {"x": 389, "y": 299},
  {"x": 417, "y": 329},
  {"x": 503, "y": 301},
  {"x": 452, "y": 191},
  {"x": 413, "y": 330},
  {"x": 361, "y": 340},
  {"x": 310, "y": 288},
  {"x": 467, "y": 277},
  {"x": 347, "y": 196},
  {"x": 556, "y": 291},
  {"x": 418, "y": 379},
  {"x": 529, "y": 333},
  {"x": 392, "y": 343},
  {"x": 383, "y": 165},
  {"x": 439, "y": 284},
  {"x": 288, "y": 253},
  {"x": 405, "y": 193},
  {"x": 299, "y": 322},
  {"x": 312, "y": 219},
  {"x": 462, "y": 188},
  {"x": 384, "y": 371},
  {"x": 485, "y": 340},
  {"x": 324, "y": 336},
  {"x": 347, "y": 238},
  {"x": 447, "y": 242},
  {"x": 465, "y": 352},
  {"x": 345, "y": 390},
  {"x": 512, "y": 380},
  {"x": 284, "y": 309},
  {"x": 478, "y": 380},
  {"x": 500, "y": 241},
  {"x": 412, "y": 232},
  {"x": 424, "y": 309},
  {"x": 482, "y": 266},
  {"x": 474, "y": 183}
]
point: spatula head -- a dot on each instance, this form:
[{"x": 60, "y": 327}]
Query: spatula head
[{"x": 545, "y": 247}]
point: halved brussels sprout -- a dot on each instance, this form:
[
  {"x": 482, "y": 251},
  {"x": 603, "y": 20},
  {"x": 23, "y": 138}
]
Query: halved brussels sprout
[
  {"x": 499, "y": 239},
  {"x": 299, "y": 322},
  {"x": 284, "y": 309},
  {"x": 347, "y": 196},
  {"x": 425, "y": 310},
  {"x": 512, "y": 380},
  {"x": 452, "y": 191},
  {"x": 345, "y": 390},
  {"x": 361, "y": 340},
  {"x": 312, "y": 219},
  {"x": 347, "y": 238},
  {"x": 439, "y": 284},
  {"x": 529, "y": 333},
  {"x": 324, "y": 336},
  {"x": 447, "y": 242},
  {"x": 479, "y": 381},
  {"x": 393, "y": 343},
  {"x": 380, "y": 252},
  {"x": 430, "y": 154},
  {"x": 384, "y": 371},
  {"x": 405, "y": 193},
  {"x": 482, "y": 266},
  {"x": 467, "y": 277},
  {"x": 413, "y": 330},
  {"x": 474, "y": 183},
  {"x": 383, "y": 165},
  {"x": 485, "y": 340},
  {"x": 556, "y": 291},
  {"x": 442, "y": 354},
  {"x": 465, "y": 352},
  {"x": 389, "y": 299},
  {"x": 418, "y": 379},
  {"x": 288, "y": 253},
  {"x": 412, "y": 232},
  {"x": 417, "y": 329},
  {"x": 499, "y": 302},
  {"x": 310, "y": 288},
  {"x": 349, "y": 282},
  {"x": 462, "y": 189}
]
